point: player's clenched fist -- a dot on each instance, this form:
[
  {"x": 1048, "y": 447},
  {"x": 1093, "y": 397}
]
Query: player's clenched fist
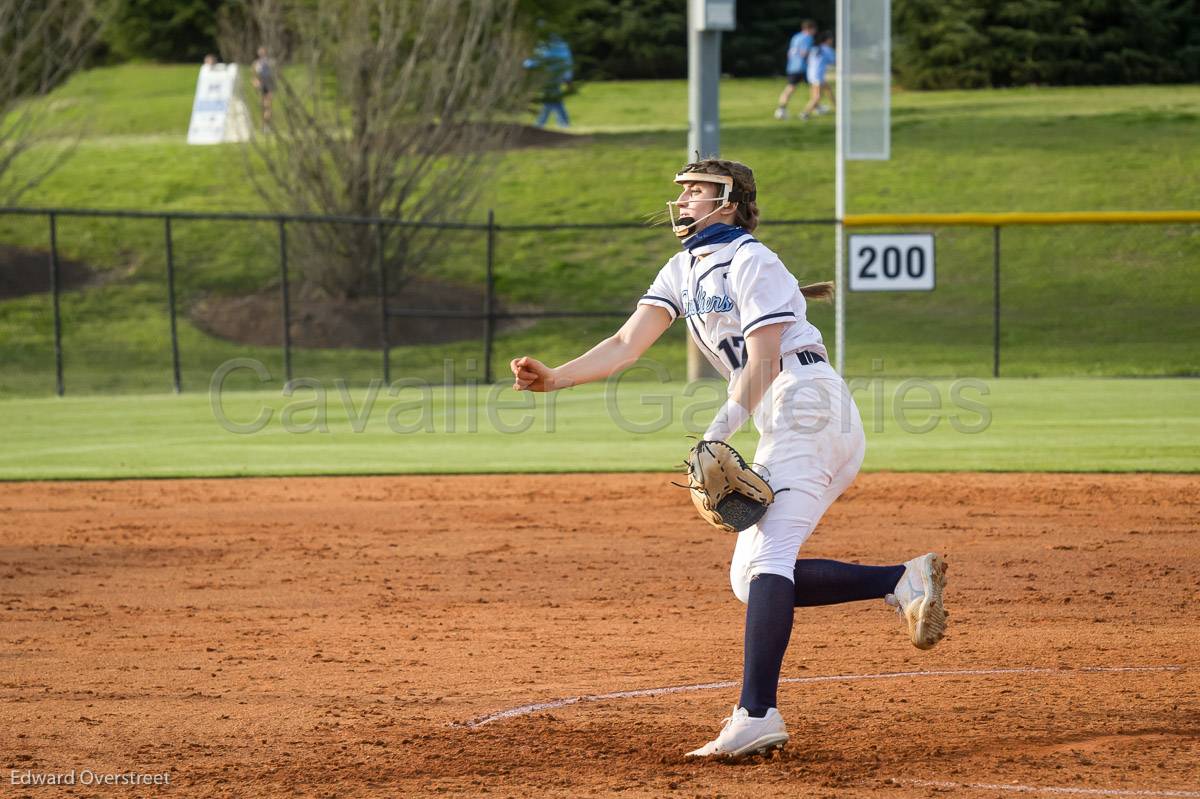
[{"x": 531, "y": 374}]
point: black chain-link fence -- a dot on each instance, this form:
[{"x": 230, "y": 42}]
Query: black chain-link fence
[{"x": 113, "y": 301}]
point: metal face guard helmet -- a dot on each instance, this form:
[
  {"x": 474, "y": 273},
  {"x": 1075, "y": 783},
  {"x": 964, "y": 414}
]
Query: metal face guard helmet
[{"x": 685, "y": 226}]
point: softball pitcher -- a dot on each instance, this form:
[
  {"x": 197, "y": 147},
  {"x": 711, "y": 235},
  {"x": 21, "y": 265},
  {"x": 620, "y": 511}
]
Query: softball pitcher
[{"x": 746, "y": 313}]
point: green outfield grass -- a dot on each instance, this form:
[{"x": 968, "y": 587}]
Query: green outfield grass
[
  {"x": 1005, "y": 425},
  {"x": 1077, "y": 301}
]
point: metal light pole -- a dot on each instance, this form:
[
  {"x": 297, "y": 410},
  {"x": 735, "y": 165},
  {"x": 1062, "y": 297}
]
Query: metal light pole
[
  {"x": 706, "y": 20},
  {"x": 842, "y": 19}
]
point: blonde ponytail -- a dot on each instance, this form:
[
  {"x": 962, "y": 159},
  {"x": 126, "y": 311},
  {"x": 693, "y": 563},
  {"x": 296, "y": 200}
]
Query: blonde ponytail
[{"x": 821, "y": 292}]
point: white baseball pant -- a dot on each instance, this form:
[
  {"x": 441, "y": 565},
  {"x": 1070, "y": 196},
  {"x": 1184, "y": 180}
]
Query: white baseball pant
[{"x": 812, "y": 444}]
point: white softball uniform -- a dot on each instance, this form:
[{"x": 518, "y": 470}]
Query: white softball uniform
[{"x": 811, "y": 439}]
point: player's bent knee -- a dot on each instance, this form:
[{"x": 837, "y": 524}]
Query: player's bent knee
[
  {"x": 741, "y": 586},
  {"x": 740, "y": 579}
]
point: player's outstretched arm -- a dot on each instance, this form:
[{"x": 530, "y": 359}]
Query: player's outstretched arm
[{"x": 612, "y": 354}]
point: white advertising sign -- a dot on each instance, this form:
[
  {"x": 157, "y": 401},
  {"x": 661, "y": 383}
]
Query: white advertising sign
[
  {"x": 891, "y": 262},
  {"x": 218, "y": 113}
]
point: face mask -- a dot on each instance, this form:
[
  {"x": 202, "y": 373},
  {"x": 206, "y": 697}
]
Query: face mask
[{"x": 685, "y": 226}]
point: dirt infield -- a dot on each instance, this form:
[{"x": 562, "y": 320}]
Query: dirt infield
[{"x": 338, "y": 637}]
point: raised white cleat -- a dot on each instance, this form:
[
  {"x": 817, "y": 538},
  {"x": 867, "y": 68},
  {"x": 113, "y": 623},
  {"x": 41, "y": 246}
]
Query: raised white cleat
[
  {"x": 743, "y": 735},
  {"x": 781, "y": 113},
  {"x": 918, "y": 599}
]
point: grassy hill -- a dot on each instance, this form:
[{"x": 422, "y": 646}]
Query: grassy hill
[{"x": 1078, "y": 301}]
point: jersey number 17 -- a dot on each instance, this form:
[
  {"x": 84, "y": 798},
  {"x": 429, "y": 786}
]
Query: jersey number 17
[{"x": 734, "y": 348}]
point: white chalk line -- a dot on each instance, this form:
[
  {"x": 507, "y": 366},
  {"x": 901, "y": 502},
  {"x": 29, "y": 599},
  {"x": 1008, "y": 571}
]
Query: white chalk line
[
  {"x": 1061, "y": 790},
  {"x": 525, "y": 710}
]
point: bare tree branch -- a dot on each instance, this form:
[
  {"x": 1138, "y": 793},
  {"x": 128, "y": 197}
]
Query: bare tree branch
[
  {"x": 386, "y": 108},
  {"x": 41, "y": 43}
]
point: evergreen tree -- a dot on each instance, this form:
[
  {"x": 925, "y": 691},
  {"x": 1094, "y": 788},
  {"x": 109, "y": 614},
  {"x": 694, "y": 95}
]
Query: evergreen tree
[
  {"x": 648, "y": 38},
  {"x": 162, "y": 30},
  {"x": 764, "y": 28},
  {"x": 961, "y": 44},
  {"x": 627, "y": 38},
  {"x": 937, "y": 44}
]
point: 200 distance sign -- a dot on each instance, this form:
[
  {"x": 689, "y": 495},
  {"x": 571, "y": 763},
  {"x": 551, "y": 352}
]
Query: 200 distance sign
[{"x": 891, "y": 262}]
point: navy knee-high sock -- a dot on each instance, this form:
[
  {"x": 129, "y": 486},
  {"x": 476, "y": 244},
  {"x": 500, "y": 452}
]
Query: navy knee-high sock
[
  {"x": 768, "y": 628},
  {"x": 831, "y": 582},
  {"x": 769, "y": 616}
]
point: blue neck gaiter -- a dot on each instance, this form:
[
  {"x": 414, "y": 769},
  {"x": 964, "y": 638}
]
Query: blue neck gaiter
[{"x": 719, "y": 233}]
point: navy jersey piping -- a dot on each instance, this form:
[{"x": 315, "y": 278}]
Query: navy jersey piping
[
  {"x": 750, "y": 240},
  {"x": 765, "y": 317},
  {"x": 710, "y": 269},
  {"x": 662, "y": 299}
]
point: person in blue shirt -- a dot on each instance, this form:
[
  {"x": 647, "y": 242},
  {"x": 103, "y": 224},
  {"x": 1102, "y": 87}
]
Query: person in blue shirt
[
  {"x": 554, "y": 62},
  {"x": 797, "y": 61},
  {"x": 820, "y": 58}
]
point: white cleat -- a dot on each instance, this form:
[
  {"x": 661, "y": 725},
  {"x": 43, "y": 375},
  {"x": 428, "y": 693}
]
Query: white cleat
[
  {"x": 744, "y": 735},
  {"x": 781, "y": 113},
  {"x": 918, "y": 599}
]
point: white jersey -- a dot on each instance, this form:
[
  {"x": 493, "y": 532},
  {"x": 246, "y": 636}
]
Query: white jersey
[{"x": 730, "y": 291}]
